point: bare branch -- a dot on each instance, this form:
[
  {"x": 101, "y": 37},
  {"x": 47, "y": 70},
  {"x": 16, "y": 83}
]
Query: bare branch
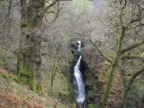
[
  {"x": 132, "y": 47},
  {"x": 49, "y": 6},
  {"x": 100, "y": 51},
  {"x": 58, "y": 12},
  {"x": 130, "y": 84}
]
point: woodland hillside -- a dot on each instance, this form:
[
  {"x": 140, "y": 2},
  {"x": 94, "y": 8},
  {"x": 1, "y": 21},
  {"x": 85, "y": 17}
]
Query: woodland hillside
[{"x": 71, "y": 53}]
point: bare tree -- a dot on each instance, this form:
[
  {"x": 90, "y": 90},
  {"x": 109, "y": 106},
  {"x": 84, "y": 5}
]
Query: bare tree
[{"x": 126, "y": 19}]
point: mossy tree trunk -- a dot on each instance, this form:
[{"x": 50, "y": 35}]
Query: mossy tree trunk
[
  {"x": 113, "y": 70},
  {"x": 29, "y": 56}
]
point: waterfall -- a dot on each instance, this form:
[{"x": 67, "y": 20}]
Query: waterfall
[
  {"x": 79, "y": 46},
  {"x": 79, "y": 87}
]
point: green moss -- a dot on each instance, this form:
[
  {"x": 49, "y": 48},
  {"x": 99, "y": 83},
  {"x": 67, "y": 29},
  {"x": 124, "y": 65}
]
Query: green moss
[
  {"x": 39, "y": 88},
  {"x": 27, "y": 74},
  {"x": 29, "y": 81},
  {"x": 32, "y": 83},
  {"x": 19, "y": 61}
]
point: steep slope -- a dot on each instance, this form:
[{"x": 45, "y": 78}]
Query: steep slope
[{"x": 13, "y": 94}]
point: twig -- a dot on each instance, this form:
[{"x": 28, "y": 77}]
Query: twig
[
  {"x": 100, "y": 51},
  {"x": 132, "y": 47}
]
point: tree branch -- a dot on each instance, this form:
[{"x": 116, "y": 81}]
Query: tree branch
[
  {"x": 130, "y": 84},
  {"x": 132, "y": 47},
  {"x": 58, "y": 12},
  {"x": 49, "y": 6},
  {"x": 100, "y": 52},
  {"x": 133, "y": 57}
]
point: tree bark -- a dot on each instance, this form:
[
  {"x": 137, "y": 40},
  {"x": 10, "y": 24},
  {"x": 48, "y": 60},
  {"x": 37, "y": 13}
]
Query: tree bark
[{"x": 29, "y": 56}]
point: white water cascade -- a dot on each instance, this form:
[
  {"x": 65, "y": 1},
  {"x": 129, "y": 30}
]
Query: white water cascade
[{"x": 78, "y": 79}]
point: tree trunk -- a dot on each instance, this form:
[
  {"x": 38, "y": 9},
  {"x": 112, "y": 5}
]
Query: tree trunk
[
  {"x": 29, "y": 57},
  {"x": 129, "y": 86},
  {"x": 113, "y": 71}
]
